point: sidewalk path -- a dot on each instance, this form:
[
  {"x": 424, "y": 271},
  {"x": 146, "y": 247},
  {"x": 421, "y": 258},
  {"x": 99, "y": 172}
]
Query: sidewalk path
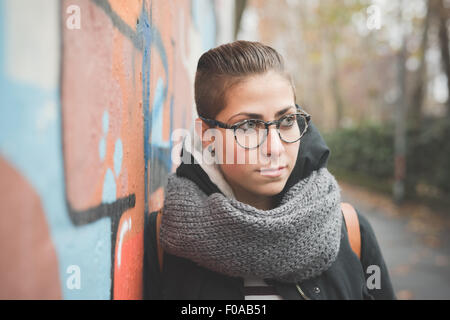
[{"x": 415, "y": 242}]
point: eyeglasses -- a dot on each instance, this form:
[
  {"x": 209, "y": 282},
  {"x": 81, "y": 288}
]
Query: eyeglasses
[{"x": 251, "y": 133}]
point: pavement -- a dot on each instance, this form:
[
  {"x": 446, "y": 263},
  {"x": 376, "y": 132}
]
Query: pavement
[{"x": 414, "y": 240}]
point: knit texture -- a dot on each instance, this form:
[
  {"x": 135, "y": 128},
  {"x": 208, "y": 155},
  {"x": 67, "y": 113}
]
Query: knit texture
[{"x": 293, "y": 242}]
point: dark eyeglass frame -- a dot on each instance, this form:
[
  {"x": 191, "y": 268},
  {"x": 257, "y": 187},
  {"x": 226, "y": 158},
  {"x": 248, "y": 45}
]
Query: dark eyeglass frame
[{"x": 234, "y": 127}]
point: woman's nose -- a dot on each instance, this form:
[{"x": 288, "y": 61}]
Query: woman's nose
[{"x": 273, "y": 145}]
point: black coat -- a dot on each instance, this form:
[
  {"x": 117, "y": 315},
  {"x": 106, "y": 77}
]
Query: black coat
[{"x": 347, "y": 278}]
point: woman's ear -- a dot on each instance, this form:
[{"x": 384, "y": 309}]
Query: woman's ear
[{"x": 200, "y": 129}]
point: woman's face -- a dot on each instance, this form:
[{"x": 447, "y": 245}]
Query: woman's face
[{"x": 265, "y": 170}]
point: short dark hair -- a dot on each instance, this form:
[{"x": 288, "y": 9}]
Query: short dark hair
[{"x": 222, "y": 67}]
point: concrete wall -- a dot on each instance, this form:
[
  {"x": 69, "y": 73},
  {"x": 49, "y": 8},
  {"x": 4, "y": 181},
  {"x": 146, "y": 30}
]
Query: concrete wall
[{"x": 90, "y": 92}]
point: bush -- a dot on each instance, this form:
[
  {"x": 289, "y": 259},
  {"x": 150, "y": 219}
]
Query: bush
[
  {"x": 369, "y": 150},
  {"x": 429, "y": 156}
]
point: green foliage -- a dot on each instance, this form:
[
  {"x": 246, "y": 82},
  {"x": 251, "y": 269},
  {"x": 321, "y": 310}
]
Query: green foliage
[
  {"x": 369, "y": 150},
  {"x": 429, "y": 156}
]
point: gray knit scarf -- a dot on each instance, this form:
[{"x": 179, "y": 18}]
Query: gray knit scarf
[{"x": 295, "y": 241}]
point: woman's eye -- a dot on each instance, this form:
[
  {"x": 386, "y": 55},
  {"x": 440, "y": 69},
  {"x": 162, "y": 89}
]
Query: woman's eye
[
  {"x": 248, "y": 125},
  {"x": 288, "y": 121}
]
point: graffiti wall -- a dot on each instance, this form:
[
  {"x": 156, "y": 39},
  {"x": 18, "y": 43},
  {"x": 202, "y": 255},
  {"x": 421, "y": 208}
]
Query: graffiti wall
[{"x": 90, "y": 91}]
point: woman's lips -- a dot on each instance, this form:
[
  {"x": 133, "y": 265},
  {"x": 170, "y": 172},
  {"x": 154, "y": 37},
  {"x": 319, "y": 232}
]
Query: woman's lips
[{"x": 272, "y": 172}]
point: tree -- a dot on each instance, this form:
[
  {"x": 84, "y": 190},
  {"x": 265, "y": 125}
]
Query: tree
[{"x": 443, "y": 15}]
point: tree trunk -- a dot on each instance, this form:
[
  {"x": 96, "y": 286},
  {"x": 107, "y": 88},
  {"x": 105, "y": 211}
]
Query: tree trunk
[
  {"x": 335, "y": 87},
  {"x": 443, "y": 42},
  {"x": 418, "y": 94},
  {"x": 400, "y": 127}
]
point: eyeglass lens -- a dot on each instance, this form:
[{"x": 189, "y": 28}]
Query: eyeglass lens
[{"x": 252, "y": 133}]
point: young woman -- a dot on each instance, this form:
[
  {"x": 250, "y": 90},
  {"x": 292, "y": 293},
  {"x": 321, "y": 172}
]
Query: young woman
[{"x": 263, "y": 220}]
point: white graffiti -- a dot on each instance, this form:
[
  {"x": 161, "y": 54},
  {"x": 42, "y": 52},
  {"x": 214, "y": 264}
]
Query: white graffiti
[{"x": 126, "y": 226}]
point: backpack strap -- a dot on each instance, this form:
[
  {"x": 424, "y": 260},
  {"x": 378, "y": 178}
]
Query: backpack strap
[
  {"x": 159, "y": 248},
  {"x": 352, "y": 223}
]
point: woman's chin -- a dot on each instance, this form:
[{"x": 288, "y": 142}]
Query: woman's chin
[{"x": 270, "y": 188}]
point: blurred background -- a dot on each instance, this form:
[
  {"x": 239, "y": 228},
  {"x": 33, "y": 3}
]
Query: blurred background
[
  {"x": 375, "y": 77},
  {"x": 90, "y": 91}
]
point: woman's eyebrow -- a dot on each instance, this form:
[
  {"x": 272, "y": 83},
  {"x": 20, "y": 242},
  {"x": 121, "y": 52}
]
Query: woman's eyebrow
[
  {"x": 283, "y": 111},
  {"x": 259, "y": 116}
]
